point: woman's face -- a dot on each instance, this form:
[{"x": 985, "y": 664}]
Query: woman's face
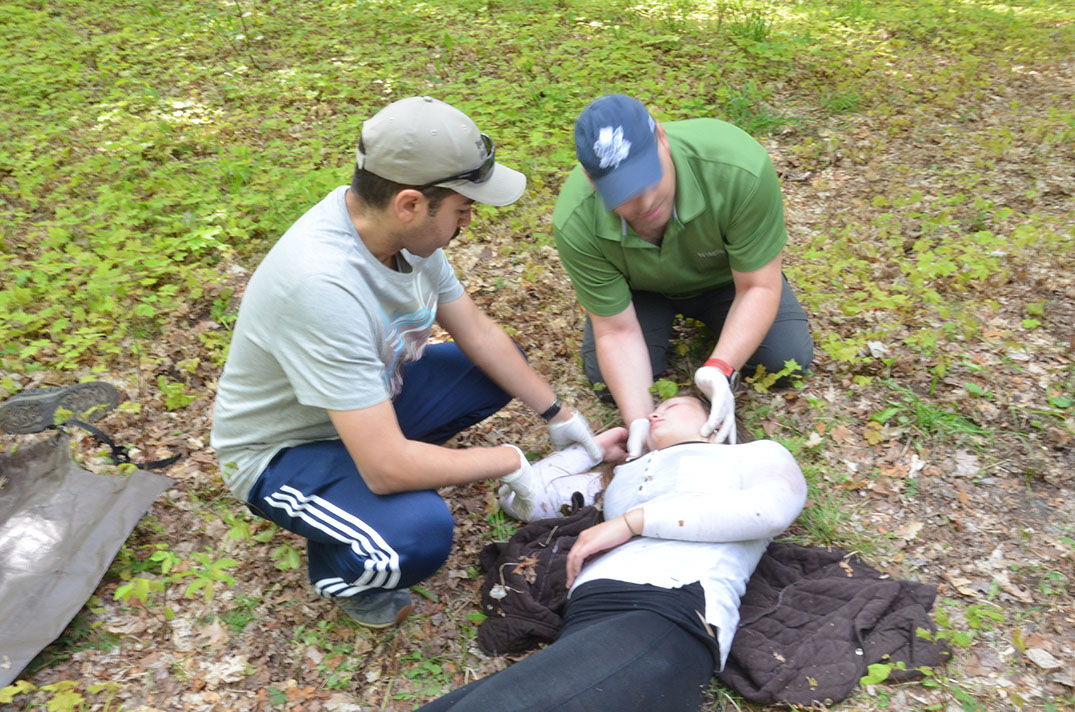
[{"x": 676, "y": 420}]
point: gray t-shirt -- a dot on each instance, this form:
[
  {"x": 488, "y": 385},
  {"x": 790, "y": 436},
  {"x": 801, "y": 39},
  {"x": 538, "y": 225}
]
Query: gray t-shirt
[{"x": 323, "y": 325}]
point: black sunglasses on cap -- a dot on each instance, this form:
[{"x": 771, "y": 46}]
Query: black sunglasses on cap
[{"x": 474, "y": 175}]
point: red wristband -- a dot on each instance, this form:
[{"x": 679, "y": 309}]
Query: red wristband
[{"x": 720, "y": 366}]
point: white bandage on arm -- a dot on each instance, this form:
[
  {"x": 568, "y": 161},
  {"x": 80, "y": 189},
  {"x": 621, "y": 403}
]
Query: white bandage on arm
[
  {"x": 558, "y": 476},
  {"x": 768, "y": 505},
  {"x": 569, "y": 461}
]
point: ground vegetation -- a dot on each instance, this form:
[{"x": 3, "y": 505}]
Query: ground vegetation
[{"x": 152, "y": 152}]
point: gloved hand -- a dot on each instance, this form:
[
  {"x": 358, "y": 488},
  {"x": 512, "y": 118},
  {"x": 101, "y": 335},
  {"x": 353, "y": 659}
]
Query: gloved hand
[
  {"x": 636, "y": 437},
  {"x": 575, "y": 430},
  {"x": 722, "y": 404},
  {"x": 520, "y": 489}
]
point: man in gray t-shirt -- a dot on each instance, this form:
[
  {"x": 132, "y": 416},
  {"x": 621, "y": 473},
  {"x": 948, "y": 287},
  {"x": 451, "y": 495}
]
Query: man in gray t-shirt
[{"x": 332, "y": 407}]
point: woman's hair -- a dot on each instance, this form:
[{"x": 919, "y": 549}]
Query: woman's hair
[{"x": 742, "y": 435}]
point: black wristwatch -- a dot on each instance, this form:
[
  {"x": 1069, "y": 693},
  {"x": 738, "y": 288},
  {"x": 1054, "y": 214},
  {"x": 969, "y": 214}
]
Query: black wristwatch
[{"x": 552, "y": 411}]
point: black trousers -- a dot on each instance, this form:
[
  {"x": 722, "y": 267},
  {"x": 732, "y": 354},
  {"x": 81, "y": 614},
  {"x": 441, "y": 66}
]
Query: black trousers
[{"x": 616, "y": 657}]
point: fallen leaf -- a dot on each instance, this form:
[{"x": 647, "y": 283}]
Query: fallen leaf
[
  {"x": 340, "y": 702},
  {"x": 967, "y": 465},
  {"x": 961, "y": 584},
  {"x": 130, "y": 626},
  {"x": 1006, "y": 585},
  {"x": 873, "y": 433},
  {"x": 982, "y": 663},
  {"x": 213, "y": 634},
  {"x": 1043, "y": 659},
  {"x": 917, "y": 464},
  {"x": 886, "y": 486},
  {"x": 841, "y": 434},
  {"x": 314, "y": 654},
  {"x": 231, "y": 669},
  {"x": 294, "y": 694},
  {"x": 908, "y": 531},
  {"x": 877, "y": 349}
]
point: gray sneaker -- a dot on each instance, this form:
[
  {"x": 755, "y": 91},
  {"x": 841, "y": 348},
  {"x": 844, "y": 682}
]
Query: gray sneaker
[
  {"x": 377, "y": 608},
  {"x": 32, "y": 411}
]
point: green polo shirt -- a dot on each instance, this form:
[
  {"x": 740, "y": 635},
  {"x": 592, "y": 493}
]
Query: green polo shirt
[{"x": 729, "y": 215}]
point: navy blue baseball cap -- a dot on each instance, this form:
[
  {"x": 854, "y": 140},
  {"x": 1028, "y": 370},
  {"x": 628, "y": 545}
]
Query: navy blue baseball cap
[{"x": 616, "y": 142}]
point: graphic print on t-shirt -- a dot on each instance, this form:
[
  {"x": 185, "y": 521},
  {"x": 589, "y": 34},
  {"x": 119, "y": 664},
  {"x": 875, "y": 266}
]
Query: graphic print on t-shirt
[{"x": 406, "y": 334}]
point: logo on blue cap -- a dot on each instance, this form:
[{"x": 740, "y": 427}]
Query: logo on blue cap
[
  {"x": 611, "y": 147},
  {"x": 615, "y": 142}
]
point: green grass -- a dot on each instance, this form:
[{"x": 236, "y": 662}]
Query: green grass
[
  {"x": 80, "y": 634},
  {"x": 149, "y": 144},
  {"x": 926, "y": 417}
]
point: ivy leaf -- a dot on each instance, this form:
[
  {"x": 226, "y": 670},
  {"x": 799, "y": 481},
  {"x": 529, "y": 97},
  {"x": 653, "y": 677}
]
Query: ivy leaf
[{"x": 878, "y": 673}]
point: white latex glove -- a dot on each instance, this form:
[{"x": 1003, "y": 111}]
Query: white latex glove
[
  {"x": 722, "y": 405},
  {"x": 575, "y": 430},
  {"x": 520, "y": 489},
  {"x": 636, "y": 438}
]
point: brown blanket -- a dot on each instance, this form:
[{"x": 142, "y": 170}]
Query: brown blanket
[
  {"x": 812, "y": 620},
  {"x": 525, "y": 591}
]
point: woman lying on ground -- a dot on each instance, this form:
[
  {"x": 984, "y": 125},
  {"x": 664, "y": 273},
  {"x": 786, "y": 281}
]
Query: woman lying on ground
[{"x": 655, "y": 588}]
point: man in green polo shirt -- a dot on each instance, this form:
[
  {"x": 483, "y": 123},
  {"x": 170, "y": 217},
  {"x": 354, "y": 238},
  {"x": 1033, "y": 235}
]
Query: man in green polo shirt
[{"x": 681, "y": 218}]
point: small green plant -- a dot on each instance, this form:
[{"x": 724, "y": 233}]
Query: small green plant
[
  {"x": 746, "y": 107},
  {"x": 825, "y": 517},
  {"x": 429, "y": 675},
  {"x": 139, "y": 588},
  {"x": 753, "y": 24},
  {"x": 338, "y": 663},
  {"x": 205, "y": 574},
  {"x": 841, "y": 102},
  {"x": 240, "y": 614},
  {"x": 976, "y": 390},
  {"x": 980, "y": 616},
  {"x": 242, "y": 526},
  {"x": 222, "y": 311},
  {"x": 664, "y": 389},
  {"x": 65, "y": 695},
  {"x": 286, "y": 557},
  {"x": 161, "y": 561},
  {"x": 209, "y": 575},
  {"x": 501, "y": 525},
  {"x": 175, "y": 393},
  {"x": 1053, "y": 583},
  {"x": 762, "y": 381}
]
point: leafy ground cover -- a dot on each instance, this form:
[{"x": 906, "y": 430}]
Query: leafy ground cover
[{"x": 152, "y": 152}]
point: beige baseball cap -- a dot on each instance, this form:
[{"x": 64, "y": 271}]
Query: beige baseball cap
[{"x": 424, "y": 142}]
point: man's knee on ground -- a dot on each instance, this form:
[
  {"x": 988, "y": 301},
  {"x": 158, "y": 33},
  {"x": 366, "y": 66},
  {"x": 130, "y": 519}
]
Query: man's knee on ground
[
  {"x": 774, "y": 356},
  {"x": 416, "y": 546}
]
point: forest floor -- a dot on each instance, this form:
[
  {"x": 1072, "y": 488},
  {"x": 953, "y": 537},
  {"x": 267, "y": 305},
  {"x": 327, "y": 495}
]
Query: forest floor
[{"x": 950, "y": 462}]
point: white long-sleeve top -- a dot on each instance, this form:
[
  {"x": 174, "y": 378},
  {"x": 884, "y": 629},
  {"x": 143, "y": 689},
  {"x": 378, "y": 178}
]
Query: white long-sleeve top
[{"x": 710, "y": 511}]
